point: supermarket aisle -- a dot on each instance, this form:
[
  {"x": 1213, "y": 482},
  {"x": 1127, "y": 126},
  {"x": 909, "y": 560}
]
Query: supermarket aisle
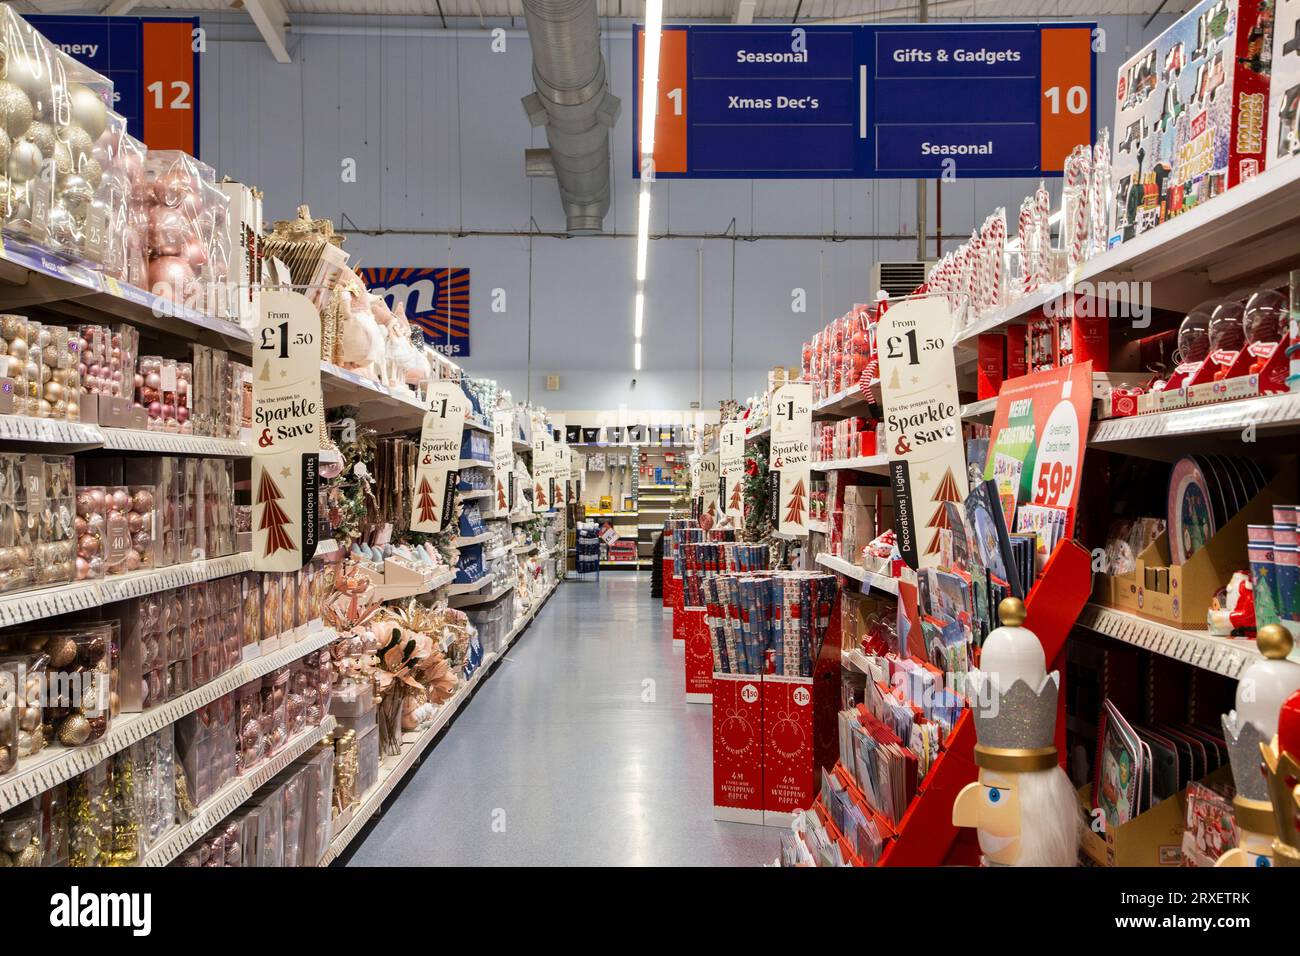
[{"x": 558, "y": 760}]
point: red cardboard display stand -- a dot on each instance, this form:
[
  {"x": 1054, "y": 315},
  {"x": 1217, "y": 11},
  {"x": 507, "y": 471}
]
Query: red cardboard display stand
[
  {"x": 926, "y": 835},
  {"x": 666, "y": 592},
  {"x": 699, "y": 657},
  {"x": 679, "y": 615},
  {"x": 789, "y": 774},
  {"x": 738, "y": 748}
]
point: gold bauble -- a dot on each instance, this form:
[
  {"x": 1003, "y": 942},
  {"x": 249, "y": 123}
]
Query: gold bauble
[
  {"x": 1274, "y": 641},
  {"x": 15, "y": 109},
  {"x": 5, "y": 145},
  {"x": 88, "y": 110},
  {"x": 79, "y": 142},
  {"x": 30, "y": 856},
  {"x": 74, "y": 731},
  {"x": 24, "y": 161},
  {"x": 42, "y": 134},
  {"x": 18, "y": 348},
  {"x": 53, "y": 392},
  {"x": 1011, "y": 611},
  {"x": 11, "y": 326}
]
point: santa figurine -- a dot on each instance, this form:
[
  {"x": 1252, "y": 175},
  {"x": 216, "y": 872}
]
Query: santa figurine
[
  {"x": 1281, "y": 771},
  {"x": 1262, "y": 690},
  {"x": 1023, "y": 805}
]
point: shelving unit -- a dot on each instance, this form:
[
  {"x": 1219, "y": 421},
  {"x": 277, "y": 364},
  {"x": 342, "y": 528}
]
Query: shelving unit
[{"x": 393, "y": 769}]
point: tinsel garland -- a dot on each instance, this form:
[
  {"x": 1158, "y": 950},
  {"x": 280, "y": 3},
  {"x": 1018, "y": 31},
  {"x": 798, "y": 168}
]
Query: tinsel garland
[{"x": 758, "y": 522}]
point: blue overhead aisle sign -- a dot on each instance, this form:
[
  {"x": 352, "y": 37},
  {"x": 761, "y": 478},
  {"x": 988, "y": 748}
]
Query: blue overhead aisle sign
[{"x": 905, "y": 101}]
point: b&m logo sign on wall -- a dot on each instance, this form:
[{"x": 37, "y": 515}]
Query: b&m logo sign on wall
[{"x": 436, "y": 300}]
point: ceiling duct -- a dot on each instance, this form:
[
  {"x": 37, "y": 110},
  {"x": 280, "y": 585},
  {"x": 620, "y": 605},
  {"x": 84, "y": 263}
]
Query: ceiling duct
[{"x": 573, "y": 102}]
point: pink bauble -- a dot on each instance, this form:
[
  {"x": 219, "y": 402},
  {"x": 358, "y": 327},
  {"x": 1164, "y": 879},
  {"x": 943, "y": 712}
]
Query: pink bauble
[
  {"x": 85, "y": 503},
  {"x": 121, "y": 500},
  {"x": 142, "y": 500},
  {"x": 173, "y": 185},
  {"x": 153, "y": 380},
  {"x": 155, "y": 409},
  {"x": 168, "y": 232},
  {"x": 142, "y": 541},
  {"x": 135, "y": 522},
  {"x": 88, "y": 546},
  {"x": 80, "y": 526},
  {"x": 196, "y": 254},
  {"x": 132, "y": 562},
  {"x": 97, "y": 499},
  {"x": 168, "y": 410},
  {"x": 169, "y": 276},
  {"x": 97, "y": 567},
  {"x": 83, "y": 568},
  {"x": 139, "y": 380},
  {"x": 183, "y": 414}
]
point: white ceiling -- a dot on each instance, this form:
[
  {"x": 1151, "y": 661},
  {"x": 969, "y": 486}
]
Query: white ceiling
[{"x": 810, "y": 10}]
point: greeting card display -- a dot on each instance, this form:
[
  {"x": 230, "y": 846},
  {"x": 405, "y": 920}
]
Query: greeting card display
[
  {"x": 503, "y": 460},
  {"x": 436, "y": 468},
  {"x": 1039, "y": 436},
  {"x": 287, "y": 405}
]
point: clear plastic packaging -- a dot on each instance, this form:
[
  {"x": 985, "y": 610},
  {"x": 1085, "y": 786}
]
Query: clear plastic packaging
[
  {"x": 12, "y": 683},
  {"x": 91, "y": 524},
  {"x": 78, "y": 702},
  {"x": 20, "y": 835},
  {"x": 274, "y": 711},
  {"x": 90, "y": 817}
]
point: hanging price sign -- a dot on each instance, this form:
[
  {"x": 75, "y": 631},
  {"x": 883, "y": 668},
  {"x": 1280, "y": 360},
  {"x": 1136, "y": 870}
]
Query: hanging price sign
[
  {"x": 543, "y": 467},
  {"x": 436, "y": 469},
  {"x": 790, "y": 457},
  {"x": 708, "y": 506},
  {"x": 503, "y": 461},
  {"x": 731, "y": 468},
  {"x": 288, "y": 410},
  {"x": 922, "y": 423}
]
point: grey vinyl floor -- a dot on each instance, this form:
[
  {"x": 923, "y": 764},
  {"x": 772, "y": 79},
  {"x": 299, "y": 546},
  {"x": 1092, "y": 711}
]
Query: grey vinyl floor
[{"x": 580, "y": 750}]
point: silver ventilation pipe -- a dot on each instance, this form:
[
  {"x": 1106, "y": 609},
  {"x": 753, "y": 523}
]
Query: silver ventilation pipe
[{"x": 573, "y": 102}]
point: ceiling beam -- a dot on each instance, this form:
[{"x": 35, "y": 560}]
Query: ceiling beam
[
  {"x": 118, "y": 7},
  {"x": 271, "y": 20},
  {"x": 744, "y": 12}
]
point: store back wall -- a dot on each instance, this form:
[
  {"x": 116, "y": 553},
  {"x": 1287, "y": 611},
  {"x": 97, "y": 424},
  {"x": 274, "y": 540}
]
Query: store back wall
[{"x": 436, "y": 132}]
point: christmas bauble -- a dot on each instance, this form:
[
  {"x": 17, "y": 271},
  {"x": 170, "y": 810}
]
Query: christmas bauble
[
  {"x": 24, "y": 161},
  {"x": 42, "y": 134},
  {"x": 88, "y": 110},
  {"x": 15, "y": 108},
  {"x": 5, "y": 145},
  {"x": 79, "y": 143}
]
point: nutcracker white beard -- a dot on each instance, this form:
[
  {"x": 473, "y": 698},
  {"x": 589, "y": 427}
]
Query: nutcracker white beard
[{"x": 1049, "y": 819}]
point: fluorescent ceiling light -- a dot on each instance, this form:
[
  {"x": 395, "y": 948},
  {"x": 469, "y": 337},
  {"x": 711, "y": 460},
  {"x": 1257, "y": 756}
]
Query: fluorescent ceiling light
[
  {"x": 642, "y": 233},
  {"x": 638, "y": 355},
  {"x": 654, "y": 21},
  {"x": 640, "y": 313}
]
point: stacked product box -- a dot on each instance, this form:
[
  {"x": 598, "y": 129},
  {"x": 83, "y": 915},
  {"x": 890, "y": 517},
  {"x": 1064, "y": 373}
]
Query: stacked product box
[{"x": 1190, "y": 113}]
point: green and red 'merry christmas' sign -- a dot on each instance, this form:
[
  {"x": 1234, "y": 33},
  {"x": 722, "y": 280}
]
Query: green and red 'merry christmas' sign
[
  {"x": 438, "y": 465},
  {"x": 287, "y": 417},
  {"x": 922, "y": 422},
  {"x": 1039, "y": 436}
]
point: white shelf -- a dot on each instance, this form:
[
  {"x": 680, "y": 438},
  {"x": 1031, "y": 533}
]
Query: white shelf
[
  {"x": 475, "y": 495},
  {"x": 500, "y": 552},
  {"x": 471, "y": 587},
  {"x": 758, "y": 433},
  {"x": 874, "y": 463},
  {"x": 129, "y": 439},
  {"x": 519, "y": 517},
  {"x": 1249, "y": 230},
  {"x": 232, "y": 796},
  {"x": 468, "y": 541},
  {"x": 880, "y": 582},
  {"x": 471, "y": 599},
  {"x": 821, "y": 527},
  {"x": 981, "y": 411},
  {"x": 385, "y": 409},
  {"x": 524, "y": 548},
  {"x": 87, "y": 295},
  {"x": 472, "y": 463},
  {"x": 842, "y": 405},
  {"x": 393, "y": 769},
  {"x": 518, "y": 445},
  {"x": 1220, "y": 655},
  {"x": 55, "y": 763},
  {"x": 39, "y": 603},
  {"x": 475, "y": 425},
  {"x": 79, "y": 436},
  {"x": 1279, "y": 414}
]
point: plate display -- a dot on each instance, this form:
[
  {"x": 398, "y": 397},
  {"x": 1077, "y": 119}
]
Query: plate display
[{"x": 1191, "y": 510}]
